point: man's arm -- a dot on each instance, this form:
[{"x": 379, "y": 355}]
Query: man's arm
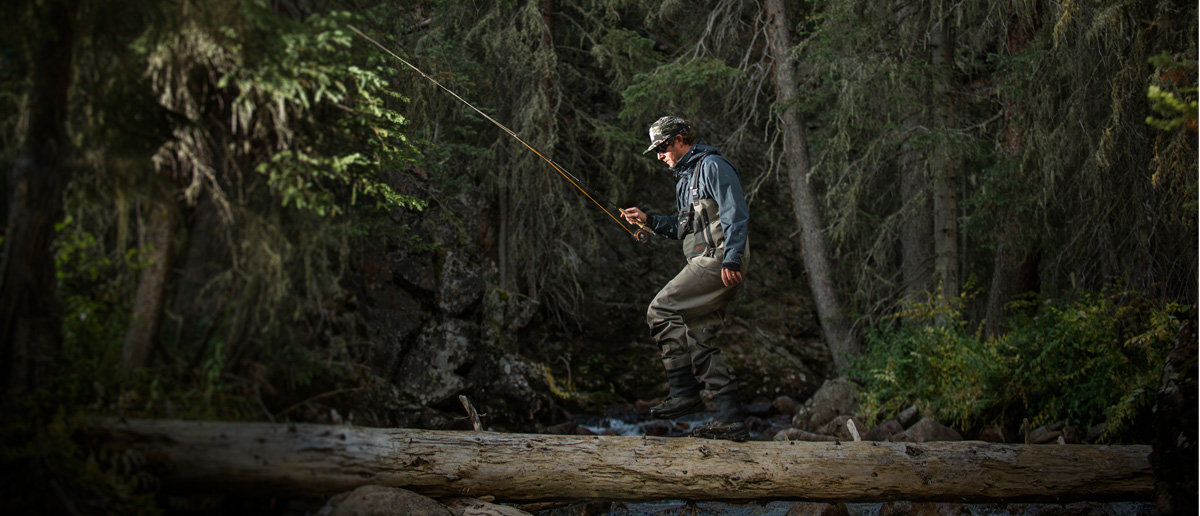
[{"x": 661, "y": 224}]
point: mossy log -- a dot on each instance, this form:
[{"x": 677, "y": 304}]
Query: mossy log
[{"x": 308, "y": 460}]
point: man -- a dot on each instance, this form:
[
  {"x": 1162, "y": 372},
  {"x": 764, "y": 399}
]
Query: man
[{"x": 685, "y": 315}]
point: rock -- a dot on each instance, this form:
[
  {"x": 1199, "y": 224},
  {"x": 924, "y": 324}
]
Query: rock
[
  {"x": 1094, "y": 432},
  {"x": 785, "y": 405},
  {"x": 884, "y": 431},
  {"x": 374, "y": 500},
  {"x": 412, "y": 269},
  {"x": 927, "y": 430},
  {"x": 515, "y": 392},
  {"x": 477, "y": 507},
  {"x": 774, "y": 430},
  {"x": 431, "y": 370},
  {"x": 835, "y": 397},
  {"x": 460, "y": 286},
  {"x": 1045, "y": 434},
  {"x": 995, "y": 434},
  {"x": 817, "y": 509},
  {"x": 837, "y": 428},
  {"x": 567, "y": 428},
  {"x": 908, "y": 416}
]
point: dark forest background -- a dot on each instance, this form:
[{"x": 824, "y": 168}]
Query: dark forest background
[{"x": 242, "y": 210}]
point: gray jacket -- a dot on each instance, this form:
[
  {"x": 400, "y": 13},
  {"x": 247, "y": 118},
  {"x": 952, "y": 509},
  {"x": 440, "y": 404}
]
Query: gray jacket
[{"x": 718, "y": 180}]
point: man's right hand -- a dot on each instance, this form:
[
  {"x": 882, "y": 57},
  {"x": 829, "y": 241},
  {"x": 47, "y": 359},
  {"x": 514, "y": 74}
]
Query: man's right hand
[{"x": 635, "y": 216}]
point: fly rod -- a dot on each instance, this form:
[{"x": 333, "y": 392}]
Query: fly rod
[{"x": 642, "y": 234}]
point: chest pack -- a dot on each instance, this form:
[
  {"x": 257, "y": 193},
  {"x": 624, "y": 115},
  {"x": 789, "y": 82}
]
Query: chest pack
[{"x": 699, "y": 224}]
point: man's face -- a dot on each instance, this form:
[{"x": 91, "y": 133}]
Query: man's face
[{"x": 673, "y": 151}]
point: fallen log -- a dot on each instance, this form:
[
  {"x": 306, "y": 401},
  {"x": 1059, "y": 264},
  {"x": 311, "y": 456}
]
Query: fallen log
[{"x": 306, "y": 460}]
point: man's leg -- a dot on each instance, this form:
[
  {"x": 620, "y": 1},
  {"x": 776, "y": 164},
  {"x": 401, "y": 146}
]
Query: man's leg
[
  {"x": 695, "y": 294},
  {"x": 710, "y": 367}
]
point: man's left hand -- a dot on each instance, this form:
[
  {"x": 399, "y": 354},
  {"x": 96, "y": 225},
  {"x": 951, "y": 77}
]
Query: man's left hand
[{"x": 731, "y": 277}]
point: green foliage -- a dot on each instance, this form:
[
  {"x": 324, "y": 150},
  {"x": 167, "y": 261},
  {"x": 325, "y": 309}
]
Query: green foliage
[
  {"x": 678, "y": 87},
  {"x": 1095, "y": 359},
  {"x": 1174, "y": 107}
]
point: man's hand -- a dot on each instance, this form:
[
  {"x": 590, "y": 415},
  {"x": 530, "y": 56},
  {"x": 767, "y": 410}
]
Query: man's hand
[
  {"x": 731, "y": 277},
  {"x": 635, "y": 216}
]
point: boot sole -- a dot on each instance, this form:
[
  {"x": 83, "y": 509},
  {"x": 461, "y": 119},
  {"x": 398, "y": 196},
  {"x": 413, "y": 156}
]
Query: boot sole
[{"x": 679, "y": 412}]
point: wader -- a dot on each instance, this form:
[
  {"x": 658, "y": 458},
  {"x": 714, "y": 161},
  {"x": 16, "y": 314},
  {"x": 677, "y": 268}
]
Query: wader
[{"x": 687, "y": 313}]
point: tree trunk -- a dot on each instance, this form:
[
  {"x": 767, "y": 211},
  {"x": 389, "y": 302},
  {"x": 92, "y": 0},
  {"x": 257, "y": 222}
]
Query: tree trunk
[
  {"x": 29, "y": 307},
  {"x": 1016, "y": 269},
  {"x": 1014, "y": 272},
  {"x": 306, "y": 460},
  {"x": 916, "y": 231},
  {"x": 842, "y": 343},
  {"x": 151, "y": 294},
  {"x": 945, "y": 168}
]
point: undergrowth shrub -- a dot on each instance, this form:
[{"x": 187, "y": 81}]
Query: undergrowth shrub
[{"x": 1094, "y": 359}]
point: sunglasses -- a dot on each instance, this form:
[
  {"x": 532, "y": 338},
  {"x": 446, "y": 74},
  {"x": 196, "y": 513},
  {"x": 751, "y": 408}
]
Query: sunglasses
[{"x": 662, "y": 147}]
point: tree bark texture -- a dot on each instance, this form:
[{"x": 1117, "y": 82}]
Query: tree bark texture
[
  {"x": 916, "y": 231},
  {"x": 305, "y": 460},
  {"x": 808, "y": 214},
  {"x": 1015, "y": 272},
  {"x": 29, "y": 303},
  {"x": 151, "y": 294},
  {"x": 945, "y": 167},
  {"x": 1016, "y": 266}
]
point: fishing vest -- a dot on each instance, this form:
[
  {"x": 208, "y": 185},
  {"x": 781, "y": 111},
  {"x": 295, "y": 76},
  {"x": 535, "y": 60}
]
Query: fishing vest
[{"x": 700, "y": 223}]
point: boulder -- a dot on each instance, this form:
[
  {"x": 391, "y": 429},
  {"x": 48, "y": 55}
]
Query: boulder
[
  {"x": 460, "y": 286},
  {"x": 785, "y": 405},
  {"x": 996, "y": 434},
  {"x": 837, "y": 428},
  {"x": 884, "y": 431},
  {"x": 835, "y": 397},
  {"x": 928, "y": 429},
  {"x": 477, "y": 507},
  {"x": 430, "y": 371},
  {"x": 1046, "y": 434},
  {"x": 374, "y": 500}
]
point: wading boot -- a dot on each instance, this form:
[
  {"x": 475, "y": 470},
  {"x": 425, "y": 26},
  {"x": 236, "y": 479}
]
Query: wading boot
[
  {"x": 729, "y": 424},
  {"x": 684, "y": 398}
]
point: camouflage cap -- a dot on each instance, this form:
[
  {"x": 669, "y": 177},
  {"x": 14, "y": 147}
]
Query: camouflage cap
[{"x": 664, "y": 129}]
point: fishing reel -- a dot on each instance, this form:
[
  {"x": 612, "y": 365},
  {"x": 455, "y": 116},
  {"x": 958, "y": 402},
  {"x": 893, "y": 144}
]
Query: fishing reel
[{"x": 642, "y": 236}]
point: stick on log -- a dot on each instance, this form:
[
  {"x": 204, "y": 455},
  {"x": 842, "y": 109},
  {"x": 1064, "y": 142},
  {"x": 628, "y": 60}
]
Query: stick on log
[{"x": 306, "y": 460}]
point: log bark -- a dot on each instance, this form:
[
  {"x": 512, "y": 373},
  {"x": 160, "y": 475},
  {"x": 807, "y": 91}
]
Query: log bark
[{"x": 306, "y": 460}]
